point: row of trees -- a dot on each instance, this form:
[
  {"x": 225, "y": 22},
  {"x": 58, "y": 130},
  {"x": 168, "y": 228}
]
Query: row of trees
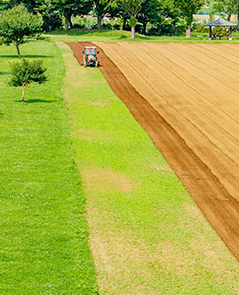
[
  {"x": 130, "y": 11},
  {"x": 17, "y": 25}
]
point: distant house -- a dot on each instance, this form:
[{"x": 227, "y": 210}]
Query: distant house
[{"x": 204, "y": 17}]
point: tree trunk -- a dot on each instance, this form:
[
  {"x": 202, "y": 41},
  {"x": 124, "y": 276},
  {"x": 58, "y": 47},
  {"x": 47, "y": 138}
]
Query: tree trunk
[
  {"x": 18, "y": 51},
  {"x": 67, "y": 16},
  {"x": 23, "y": 93},
  {"x": 99, "y": 19},
  {"x": 71, "y": 26},
  {"x": 132, "y": 31},
  {"x": 210, "y": 32},
  {"x": 124, "y": 24},
  {"x": 144, "y": 28},
  {"x": 188, "y": 31},
  {"x": 229, "y": 16}
]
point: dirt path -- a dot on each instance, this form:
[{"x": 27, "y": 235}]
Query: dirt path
[{"x": 186, "y": 97}]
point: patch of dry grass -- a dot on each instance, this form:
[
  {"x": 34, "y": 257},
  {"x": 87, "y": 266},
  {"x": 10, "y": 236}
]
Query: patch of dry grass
[{"x": 147, "y": 236}]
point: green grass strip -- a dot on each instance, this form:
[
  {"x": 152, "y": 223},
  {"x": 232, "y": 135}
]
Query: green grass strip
[
  {"x": 146, "y": 233},
  {"x": 124, "y": 36},
  {"x": 44, "y": 235}
]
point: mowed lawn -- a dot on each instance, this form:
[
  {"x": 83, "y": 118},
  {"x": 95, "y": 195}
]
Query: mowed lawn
[
  {"x": 57, "y": 157},
  {"x": 147, "y": 236},
  {"x": 124, "y": 36},
  {"x": 44, "y": 234}
]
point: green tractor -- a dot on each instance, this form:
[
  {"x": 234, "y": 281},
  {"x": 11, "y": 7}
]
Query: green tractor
[{"x": 90, "y": 57}]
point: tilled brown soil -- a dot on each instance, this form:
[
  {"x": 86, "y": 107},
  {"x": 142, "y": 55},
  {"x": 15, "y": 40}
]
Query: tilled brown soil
[{"x": 186, "y": 97}]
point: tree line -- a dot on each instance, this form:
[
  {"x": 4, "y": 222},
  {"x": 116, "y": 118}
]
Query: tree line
[
  {"x": 20, "y": 21},
  {"x": 159, "y": 13}
]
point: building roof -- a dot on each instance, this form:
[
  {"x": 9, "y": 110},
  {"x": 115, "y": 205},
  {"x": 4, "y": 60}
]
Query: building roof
[{"x": 220, "y": 23}]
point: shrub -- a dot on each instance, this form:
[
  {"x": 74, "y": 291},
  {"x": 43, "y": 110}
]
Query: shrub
[
  {"x": 166, "y": 29},
  {"x": 116, "y": 26},
  {"x": 221, "y": 31},
  {"x": 94, "y": 27},
  {"x": 106, "y": 26},
  {"x": 78, "y": 26},
  {"x": 139, "y": 28},
  {"x": 199, "y": 27}
]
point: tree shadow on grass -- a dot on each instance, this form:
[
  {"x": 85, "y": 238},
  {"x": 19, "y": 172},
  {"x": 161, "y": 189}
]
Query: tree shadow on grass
[
  {"x": 4, "y": 73},
  {"x": 123, "y": 37},
  {"x": 36, "y": 101},
  {"x": 26, "y": 56},
  {"x": 97, "y": 33},
  {"x": 74, "y": 32}
]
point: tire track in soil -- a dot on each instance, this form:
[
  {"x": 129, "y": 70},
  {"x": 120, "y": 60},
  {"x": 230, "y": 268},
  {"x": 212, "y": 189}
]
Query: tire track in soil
[
  {"x": 204, "y": 137},
  {"x": 184, "y": 118},
  {"x": 218, "y": 206}
]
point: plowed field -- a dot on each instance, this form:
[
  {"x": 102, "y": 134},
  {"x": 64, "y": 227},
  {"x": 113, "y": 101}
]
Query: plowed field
[{"x": 186, "y": 96}]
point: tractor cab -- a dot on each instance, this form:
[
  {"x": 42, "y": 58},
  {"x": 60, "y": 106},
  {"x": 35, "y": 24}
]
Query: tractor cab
[{"x": 90, "y": 57}]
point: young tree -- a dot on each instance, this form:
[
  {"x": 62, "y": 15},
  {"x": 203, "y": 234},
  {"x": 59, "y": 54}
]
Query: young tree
[
  {"x": 17, "y": 25},
  {"x": 26, "y": 72},
  {"x": 188, "y": 9}
]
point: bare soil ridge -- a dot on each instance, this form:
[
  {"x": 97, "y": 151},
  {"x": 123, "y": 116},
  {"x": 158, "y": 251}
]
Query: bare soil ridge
[{"x": 189, "y": 109}]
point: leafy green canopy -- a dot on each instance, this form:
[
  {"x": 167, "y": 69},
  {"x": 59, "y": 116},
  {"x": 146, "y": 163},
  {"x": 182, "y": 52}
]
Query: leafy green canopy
[
  {"x": 226, "y": 6},
  {"x": 17, "y": 25},
  {"x": 188, "y": 9},
  {"x": 132, "y": 8},
  {"x": 71, "y": 8},
  {"x": 155, "y": 12},
  {"x": 25, "y": 72}
]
